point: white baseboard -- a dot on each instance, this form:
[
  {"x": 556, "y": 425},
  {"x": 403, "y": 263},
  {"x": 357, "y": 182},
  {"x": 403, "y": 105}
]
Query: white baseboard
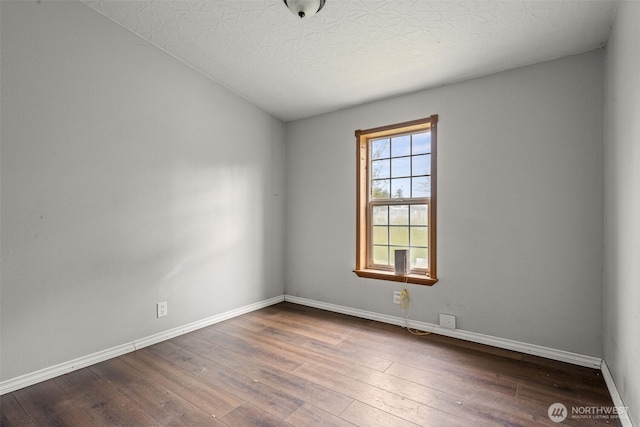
[
  {"x": 624, "y": 418},
  {"x": 536, "y": 350},
  {"x": 26, "y": 380}
]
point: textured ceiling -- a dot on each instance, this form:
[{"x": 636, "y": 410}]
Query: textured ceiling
[{"x": 356, "y": 51}]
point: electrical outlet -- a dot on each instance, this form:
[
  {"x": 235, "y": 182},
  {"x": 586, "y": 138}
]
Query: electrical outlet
[
  {"x": 396, "y": 297},
  {"x": 162, "y": 309}
]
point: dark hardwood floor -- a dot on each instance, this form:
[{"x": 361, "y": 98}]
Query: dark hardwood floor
[{"x": 290, "y": 365}]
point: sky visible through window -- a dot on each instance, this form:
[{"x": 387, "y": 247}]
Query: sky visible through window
[{"x": 401, "y": 166}]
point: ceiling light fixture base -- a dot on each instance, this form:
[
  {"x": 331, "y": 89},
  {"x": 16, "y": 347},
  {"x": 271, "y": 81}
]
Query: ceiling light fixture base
[{"x": 304, "y": 8}]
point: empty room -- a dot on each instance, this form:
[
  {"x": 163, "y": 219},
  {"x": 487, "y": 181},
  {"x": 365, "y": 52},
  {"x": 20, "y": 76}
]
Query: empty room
[{"x": 319, "y": 213}]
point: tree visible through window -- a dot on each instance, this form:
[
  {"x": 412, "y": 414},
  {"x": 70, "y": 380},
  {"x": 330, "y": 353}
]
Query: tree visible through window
[{"x": 396, "y": 200}]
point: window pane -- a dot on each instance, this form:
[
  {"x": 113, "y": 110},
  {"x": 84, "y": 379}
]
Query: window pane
[
  {"x": 401, "y": 146},
  {"x": 401, "y": 188},
  {"x": 421, "y": 165},
  {"x": 419, "y": 215},
  {"x": 421, "y": 143},
  {"x": 380, "y": 189},
  {"x": 399, "y": 215},
  {"x": 399, "y": 236},
  {"x": 380, "y": 169},
  {"x": 380, "y": 148},
  {"x": 418, "y": 258},
  {"x": 421, "y": 186},
  {"x": 381, "y": 255},
  {"x": 380, "y": 235},
  {"x": 418, "y": 236},
  {"x": 401, "y": 167},
  {"x": 380, "y": 215}
]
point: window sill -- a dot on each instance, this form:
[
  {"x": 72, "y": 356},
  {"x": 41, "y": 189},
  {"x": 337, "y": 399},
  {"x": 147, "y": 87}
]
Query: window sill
[{"x": 415, "y": 279}]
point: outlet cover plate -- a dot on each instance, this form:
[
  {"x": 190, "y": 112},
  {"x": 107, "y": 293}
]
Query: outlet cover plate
[
  {"x": 396, "y": 297},
  {"x": 162, "y": 309},
  {"x": 448, "y": 321}
]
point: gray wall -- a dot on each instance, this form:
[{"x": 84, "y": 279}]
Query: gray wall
[
  {"x": 127, "y": 178},
  {"x": 520, "y": 211},
  {"x": 622, "y": 206}
]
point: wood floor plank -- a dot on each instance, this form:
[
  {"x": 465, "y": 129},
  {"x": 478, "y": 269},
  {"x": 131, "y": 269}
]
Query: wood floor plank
[
  {"x": 12, "y": 414},
  {"x": 317, "y": 320},
  {"x": 420, "y": 359},
  {"x": 302, "y": 329},
  {"x": 101, "y": 401},
  {"x": 482, "y": 409},
  {"x": 311, "y": 416},
  {"x": 211, "y": 399},
  {"x": 246, "y": 322},
  {"x": 247, "y": 415},
  {"x": 260, "y": 353},
  {"x": 377, "y": 362},
  {"x": 326, "y": 399},
  {"x": 363, "y": 415},
  {"x": 288, "y": 343},
  {"x": 492, "y": 398},
  {"x": 384, "y": 400},
  {"x": 467, "y": 388},
  {"x": 48, "y": 405},
  {"x": 162, "y": 404},
  {"x": 260, "y": 395},
  {"x": 465, "y": 367}
]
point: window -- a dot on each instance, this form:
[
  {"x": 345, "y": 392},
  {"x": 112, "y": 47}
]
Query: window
[{"x": 396, "y": 200}]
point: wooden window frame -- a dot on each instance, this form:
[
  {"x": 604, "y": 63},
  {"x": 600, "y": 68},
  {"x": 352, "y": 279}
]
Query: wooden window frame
[{"x": 363, "y": 204}]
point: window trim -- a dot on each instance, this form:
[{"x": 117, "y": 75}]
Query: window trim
[{"x": 362, "y": 203}]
